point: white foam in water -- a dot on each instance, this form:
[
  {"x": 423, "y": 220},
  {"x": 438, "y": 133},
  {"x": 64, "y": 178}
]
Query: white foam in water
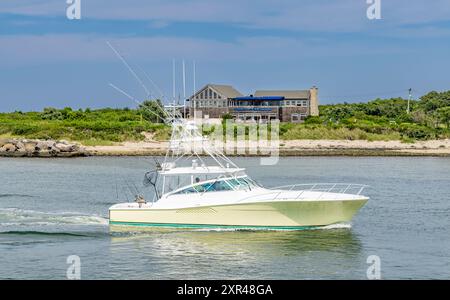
[
  {"x": 337, "y": 226},
  {"x": 16, "y": 216},
  {"x": 332, "y": 226},
  {"x": 218, "y": 229}
]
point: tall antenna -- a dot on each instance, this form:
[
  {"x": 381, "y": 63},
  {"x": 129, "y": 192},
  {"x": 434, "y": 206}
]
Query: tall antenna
[
  {"x": 194, "y": 91},
  {"x": 193, "y": 67},
  {"x": 173, "y": 80},
  {"x": 409, "y": 99},
  {"x": 184, "y": 89}
]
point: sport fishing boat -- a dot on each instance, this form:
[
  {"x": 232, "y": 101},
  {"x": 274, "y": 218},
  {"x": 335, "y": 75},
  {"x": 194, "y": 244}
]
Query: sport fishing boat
[{"x": 197, "y": 186}]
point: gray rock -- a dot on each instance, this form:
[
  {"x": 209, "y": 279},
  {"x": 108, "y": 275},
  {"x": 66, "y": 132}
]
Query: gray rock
[
  {"x": 55, "y": 150},
  {"x": 65, "y": 147},
  {"x": 30, "y": 147},
  {"x": 21, "y": 148},
  {"x": 40, "y": 148},
  {"x": 44, "y": 145},
  {"x": 8, "y": 148},
  {"x": 45, "y": 153},
  {"x": 20, "y": 145}
]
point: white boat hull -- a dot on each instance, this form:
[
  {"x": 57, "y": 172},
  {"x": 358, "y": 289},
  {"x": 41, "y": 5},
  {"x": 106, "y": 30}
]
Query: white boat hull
[{"x": 265, "y": 215}]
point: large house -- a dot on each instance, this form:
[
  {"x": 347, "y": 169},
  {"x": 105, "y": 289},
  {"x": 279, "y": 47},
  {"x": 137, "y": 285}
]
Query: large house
[{"x": 214, "y": 101}]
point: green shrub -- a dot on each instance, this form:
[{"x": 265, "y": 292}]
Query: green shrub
[
  {"x": 24, "y": 129},
  {"x": 416, "y": 131}
]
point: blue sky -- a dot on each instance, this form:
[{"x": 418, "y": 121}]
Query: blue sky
[{"x": 49, "y": 60}]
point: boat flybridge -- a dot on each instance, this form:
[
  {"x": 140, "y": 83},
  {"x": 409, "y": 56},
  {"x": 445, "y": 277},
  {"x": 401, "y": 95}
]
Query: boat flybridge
[{"x": 197, "y": 186}]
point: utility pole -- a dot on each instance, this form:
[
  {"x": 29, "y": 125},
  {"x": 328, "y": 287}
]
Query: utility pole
[{"x": 409, "y": 99}]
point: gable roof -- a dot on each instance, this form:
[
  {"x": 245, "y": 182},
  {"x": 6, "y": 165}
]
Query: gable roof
[
  {"x": 288, "y": 94},
  {"x": 227, "y": 91}
]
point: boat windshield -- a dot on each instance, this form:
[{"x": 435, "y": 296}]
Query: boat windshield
[
  {"x": 241, "y": 183},
  {"x": 220, "y": 185}
]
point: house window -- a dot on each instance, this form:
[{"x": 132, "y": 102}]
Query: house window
[
  {"x": 295, "y": 118},
  {"x": 210, "y": 94},
  {"x": 215, "y": 95}
]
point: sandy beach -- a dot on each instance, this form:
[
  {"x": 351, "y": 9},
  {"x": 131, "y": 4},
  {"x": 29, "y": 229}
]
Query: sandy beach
[{"x": 301, "y": 148}]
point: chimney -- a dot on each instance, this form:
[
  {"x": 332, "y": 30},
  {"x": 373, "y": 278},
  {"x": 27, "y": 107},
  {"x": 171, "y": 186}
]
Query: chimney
[{"x": 314, "y": 101}]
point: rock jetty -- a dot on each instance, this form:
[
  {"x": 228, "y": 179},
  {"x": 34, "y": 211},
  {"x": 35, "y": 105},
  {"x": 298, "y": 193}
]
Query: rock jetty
[{"x": 40, "y": 148}]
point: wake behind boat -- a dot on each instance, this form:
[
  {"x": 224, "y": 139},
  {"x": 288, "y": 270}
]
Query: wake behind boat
[{"x": 189, "y": 193}]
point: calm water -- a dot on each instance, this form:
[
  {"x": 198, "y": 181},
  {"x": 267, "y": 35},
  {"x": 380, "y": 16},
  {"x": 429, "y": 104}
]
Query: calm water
[{"x": 50, "y": 209}]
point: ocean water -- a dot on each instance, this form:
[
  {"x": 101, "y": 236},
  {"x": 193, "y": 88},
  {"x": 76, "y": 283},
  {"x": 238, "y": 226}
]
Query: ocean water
[{"x": 53, "y": 208}]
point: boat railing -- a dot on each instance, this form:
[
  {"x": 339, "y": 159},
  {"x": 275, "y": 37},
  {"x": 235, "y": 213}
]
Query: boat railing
[{"x": 324, "y": 188}]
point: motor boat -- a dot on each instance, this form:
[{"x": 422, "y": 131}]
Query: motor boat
[{"x": 197, "y": 186}]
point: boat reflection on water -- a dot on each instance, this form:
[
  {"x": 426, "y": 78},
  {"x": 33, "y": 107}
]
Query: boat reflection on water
[
  {"x": 202, "y": 254},
  {"x": 331, "y": 238}
]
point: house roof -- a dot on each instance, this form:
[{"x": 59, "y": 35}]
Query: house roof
[
  {"x": 288, "y": 94},
  {"x": 227, "y": 91}
]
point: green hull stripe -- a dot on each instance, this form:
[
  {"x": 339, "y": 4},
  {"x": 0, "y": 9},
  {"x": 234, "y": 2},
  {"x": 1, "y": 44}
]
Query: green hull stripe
[{"x": 175, "y": 225}]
